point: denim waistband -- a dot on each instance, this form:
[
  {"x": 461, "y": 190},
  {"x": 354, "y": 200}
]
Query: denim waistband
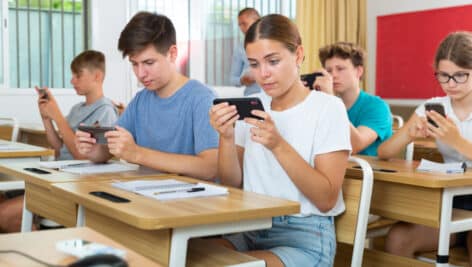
[{"x": 285, "y": 218}]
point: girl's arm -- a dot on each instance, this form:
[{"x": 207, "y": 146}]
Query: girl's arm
[{"x": 415, "y": 127}]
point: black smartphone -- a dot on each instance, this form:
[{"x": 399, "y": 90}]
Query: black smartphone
[
  {"x": 97, "y": 132},
  {"x": 310, "y": 78},
  {"x": 42, "y": 93},
  {"x": 108, "y": 196},
  {"x": 438, "y": 107},
  {"x": 244, "y": 105},
  {"x": 36, "y": 170}
]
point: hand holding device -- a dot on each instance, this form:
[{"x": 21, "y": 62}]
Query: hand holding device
[
  {"x": 244, "y": 105},
  {"x": 43, "y": 94},
  {"x": 438, "y": 107},
  {"x": 97, "y": 132},
  {"x": 309, "y": 78}
]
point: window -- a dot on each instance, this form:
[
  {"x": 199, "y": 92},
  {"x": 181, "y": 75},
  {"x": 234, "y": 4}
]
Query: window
[
  {"x": 41, "y": 37},
  {"x": 207, "y": 31}
]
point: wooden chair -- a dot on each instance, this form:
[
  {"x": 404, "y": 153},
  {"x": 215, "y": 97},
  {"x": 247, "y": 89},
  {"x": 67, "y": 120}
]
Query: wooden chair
[
  {"x": 351, "y": 226},
  {"x": 9, "y": 129},
  {"x": 397, "y": 124}
]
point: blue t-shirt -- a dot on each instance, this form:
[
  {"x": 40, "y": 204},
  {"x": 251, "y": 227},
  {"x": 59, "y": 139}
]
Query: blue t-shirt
[
  {"x": 177, "y": 124},
  {"x": 371, "y": 111}
]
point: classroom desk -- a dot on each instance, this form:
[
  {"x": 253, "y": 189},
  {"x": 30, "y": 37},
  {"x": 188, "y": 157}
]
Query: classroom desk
[
  {"x": 33, "y": 134},
  {"x": 17, "y": 152},
  {"x": 42, "y": 245},
  {"x": 41, "y": 201},
  {"x": 161, "y": 229},
  {"x": 419, "y": 197}
]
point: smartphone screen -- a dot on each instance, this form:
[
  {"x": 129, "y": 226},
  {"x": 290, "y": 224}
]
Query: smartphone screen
[
  {"x": 244, "y": 105},
  {"x": 310, "y": 78},
  {"x": 438, "y": 107}
]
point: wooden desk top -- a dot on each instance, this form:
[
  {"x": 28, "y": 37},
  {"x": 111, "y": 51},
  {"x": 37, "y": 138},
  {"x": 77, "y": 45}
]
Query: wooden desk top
[
  {"x": 42, "y": 245},
  {"x": 147, "y": 213},
  {"x": 17, "y": 170},
  {"x": 406, "y": 174},
  {"x": 24, "y": 150}
]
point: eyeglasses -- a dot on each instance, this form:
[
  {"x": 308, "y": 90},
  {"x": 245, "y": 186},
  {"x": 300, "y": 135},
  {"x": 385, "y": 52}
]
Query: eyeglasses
[{"x": 459, "y": 77}]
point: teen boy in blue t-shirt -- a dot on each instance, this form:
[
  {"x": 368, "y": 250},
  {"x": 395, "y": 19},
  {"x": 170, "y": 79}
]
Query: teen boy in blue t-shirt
[
  {"x": 370, "y": 116},
  {"x": 166, "y": 125}
]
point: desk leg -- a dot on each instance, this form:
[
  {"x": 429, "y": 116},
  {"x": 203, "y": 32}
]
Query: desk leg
[
  {"x": 26, "y": 219},
  {"x": 180, "y": 236},
  {"x": 448, "y": 226},
  {"x": 80, "y": 216}
]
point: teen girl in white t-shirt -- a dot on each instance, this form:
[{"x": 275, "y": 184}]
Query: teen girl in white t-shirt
[{"x": 297, "y": 151}]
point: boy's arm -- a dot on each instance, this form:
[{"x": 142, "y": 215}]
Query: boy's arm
[
  {"x": 68, "y": 135},
  {"x": 53, "y": 138},
  {"x": 361, "y": 137},
  {"x": 121, "y": 144}
]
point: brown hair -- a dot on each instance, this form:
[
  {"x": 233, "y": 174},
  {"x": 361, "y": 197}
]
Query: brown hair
[
  {"x": 456, "y": 47},
  {"x": 342, "y": 50},
  {"x": 146, "y": 29},
  {"x": 249, "y": 11},
  {"x": 89, "y": 59},
  {"x": 274, "y": 27}
]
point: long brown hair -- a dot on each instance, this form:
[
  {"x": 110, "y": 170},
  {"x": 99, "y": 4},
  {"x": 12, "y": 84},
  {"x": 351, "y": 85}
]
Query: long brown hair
[
  {"x": 456, "y": 47},
  {"x": 275, "y": 27}
]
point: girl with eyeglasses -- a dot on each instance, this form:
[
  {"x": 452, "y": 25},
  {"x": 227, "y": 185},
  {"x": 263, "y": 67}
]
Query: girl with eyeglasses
[
  {"x": 453, "y": 135},
  {"x": 298, "y": 150}
]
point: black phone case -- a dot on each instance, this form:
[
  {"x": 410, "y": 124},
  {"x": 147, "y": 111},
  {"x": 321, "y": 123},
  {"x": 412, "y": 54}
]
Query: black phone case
[
  {"x": 110, "y": 197},
  {"x": 36, "y": 170},
  {"x": 438, "y": 107},
  {"x": 97, "y": 132},
  {"x": 244, "y": 105},
  {"x": 310, "y": 78}
]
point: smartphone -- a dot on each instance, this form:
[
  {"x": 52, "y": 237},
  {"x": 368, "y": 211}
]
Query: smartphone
[
  {"x": 82, "y": 248},
  {"x": 42, "y": 93},
  {"x": 36, "y": 170},
  {"x": 310, "y": 78},
  {"x": 244, "y": 105},
  {"x": 97, "y": 132},
  {"x": 110, "y": 197},
  {"x": 438, "y": 107}
]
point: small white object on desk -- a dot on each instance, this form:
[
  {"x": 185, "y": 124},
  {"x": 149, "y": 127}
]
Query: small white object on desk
[
  {"x": 431, "y": 166},
  {"x": 88, "y": 167},
  {"x": 171, "y": 189}
]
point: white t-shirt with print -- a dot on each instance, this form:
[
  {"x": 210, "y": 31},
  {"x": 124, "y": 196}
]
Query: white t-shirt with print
[
  {"x": 315, "y": 126},
  {"x": 465, "y": 128}
]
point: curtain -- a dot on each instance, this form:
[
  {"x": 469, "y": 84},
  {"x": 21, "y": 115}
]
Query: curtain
[{"x": 322, "y": 22}]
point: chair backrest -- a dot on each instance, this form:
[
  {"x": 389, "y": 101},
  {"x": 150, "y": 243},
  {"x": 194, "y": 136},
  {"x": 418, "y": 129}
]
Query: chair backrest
[
  {"x": 9, "y": 129},
  {"x": 397, "y": 124},
  {"x": 351, "y": 226}
]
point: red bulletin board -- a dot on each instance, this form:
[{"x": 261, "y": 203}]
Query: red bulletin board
[{"x": 406, "y": 46}]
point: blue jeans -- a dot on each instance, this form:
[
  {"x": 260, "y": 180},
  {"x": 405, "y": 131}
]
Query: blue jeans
[{"x": 297, "y": 241}]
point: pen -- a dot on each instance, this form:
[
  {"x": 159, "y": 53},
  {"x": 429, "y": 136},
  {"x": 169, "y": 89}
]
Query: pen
[{"x": 188, "y": 190}]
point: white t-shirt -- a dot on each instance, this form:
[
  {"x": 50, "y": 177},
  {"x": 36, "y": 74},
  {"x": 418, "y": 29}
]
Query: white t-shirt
[
  {"x": 315, "y": 126},
  {"x": 465, "y": 128}
]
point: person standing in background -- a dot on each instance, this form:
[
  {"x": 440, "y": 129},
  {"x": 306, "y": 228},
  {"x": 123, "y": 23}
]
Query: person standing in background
[{"x": 240, "y": 74}]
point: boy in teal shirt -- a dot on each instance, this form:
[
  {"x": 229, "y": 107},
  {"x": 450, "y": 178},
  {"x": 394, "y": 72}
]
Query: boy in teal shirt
[{"x": 370, "y": 117}]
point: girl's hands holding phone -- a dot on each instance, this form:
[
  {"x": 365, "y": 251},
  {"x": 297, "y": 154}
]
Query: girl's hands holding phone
[
  {"x": 264, "y": 131},
  {"x": 446, "y": 130},
  {"x": 222, "y": 119}
]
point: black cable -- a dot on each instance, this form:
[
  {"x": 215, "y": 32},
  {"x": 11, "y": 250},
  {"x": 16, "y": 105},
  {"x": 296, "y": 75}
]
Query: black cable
[{"x": 31, "y": 258}]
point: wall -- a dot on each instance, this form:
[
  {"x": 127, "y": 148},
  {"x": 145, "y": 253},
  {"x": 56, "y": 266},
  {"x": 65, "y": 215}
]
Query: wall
[{"x": 384, "y": 7}]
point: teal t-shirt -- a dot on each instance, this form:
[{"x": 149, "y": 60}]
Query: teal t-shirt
[{"x": 371, "y": 111}]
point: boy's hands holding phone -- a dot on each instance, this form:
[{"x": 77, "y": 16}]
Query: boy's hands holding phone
[
  {"x": 324, "y": 83},
  {"x": 121, "y": 144},
  {"x": 47, "y": 104}
]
